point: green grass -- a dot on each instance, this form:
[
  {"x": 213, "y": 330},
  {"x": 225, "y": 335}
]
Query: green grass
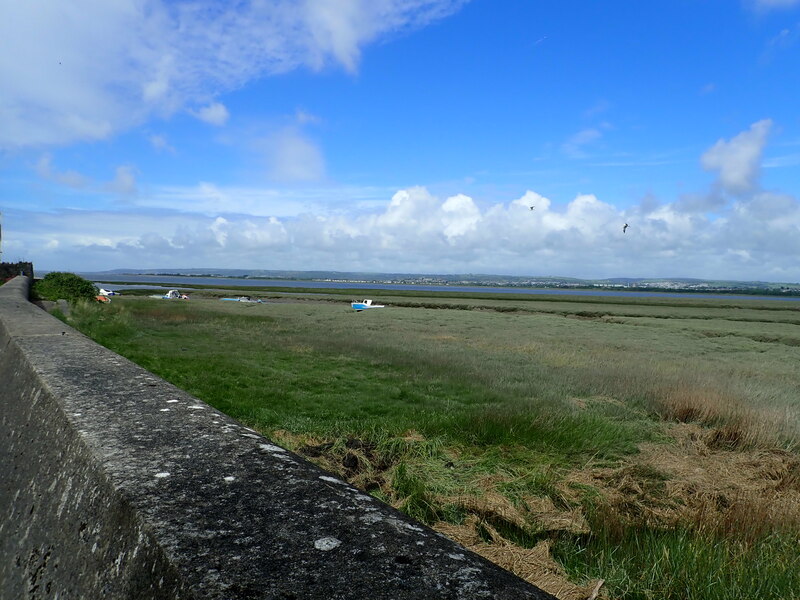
[
  {"x": 651, "y": 564},
  {"x": 307, "y": 370},
  {"x": 440, "y": 398}
]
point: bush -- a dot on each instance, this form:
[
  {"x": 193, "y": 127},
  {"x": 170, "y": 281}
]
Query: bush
[{"x": 58, "y": 285}]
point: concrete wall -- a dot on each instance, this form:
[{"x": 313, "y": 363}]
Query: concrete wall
[{"x": 116, "y": 484}]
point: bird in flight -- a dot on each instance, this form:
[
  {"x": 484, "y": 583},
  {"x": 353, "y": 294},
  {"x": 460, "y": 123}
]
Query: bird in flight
[
  {"x": 624, "y": 227},
  {"x": 532, "y": 207}
]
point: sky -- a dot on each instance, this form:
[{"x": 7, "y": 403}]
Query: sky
[{"x": 509, "y": 137}]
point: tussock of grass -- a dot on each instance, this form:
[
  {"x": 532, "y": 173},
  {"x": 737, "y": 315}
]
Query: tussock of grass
[{"x": 415, "y": 498}]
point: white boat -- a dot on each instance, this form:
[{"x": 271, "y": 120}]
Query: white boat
[
  {"x": 360, "y": 305},
  {"x": 174, "y": 295},
  {"x": 243, "y": 299}
]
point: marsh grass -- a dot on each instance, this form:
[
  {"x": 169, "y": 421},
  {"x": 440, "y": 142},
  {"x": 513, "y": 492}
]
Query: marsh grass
[
  {"x": 473, "y": 417},
  {"x": 747, "y": 549},
  {"x": 675, "y": 564}
]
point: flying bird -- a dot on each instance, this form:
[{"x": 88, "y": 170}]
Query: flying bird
[
  {"x": 532, "y": 207},
  {"x": 624, "y": 227}
]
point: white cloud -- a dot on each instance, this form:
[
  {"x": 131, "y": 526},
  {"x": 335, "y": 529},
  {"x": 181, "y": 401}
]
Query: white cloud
[
  {"x": 304, "y": 117},
  {"x": 210, "y": 199},
  {"x": 460, "y": 216},
  {"x": 786, "y": 38},
  {"x": 766, "y": 5},
  {"x": 601, "y": 107},
  {"x": 753, "y": 235},
  {"x": 738, "y": 160},
  {"x": 784, "y": 41},
  {"x": 124, "y": 181},
  {"x": 770, "y": 206},
  {"x": 45, "y": 170},
  {"x": 213, "y": 114},
  {"x": 710, "y": 202},
  {"x": 416, "y": 231},
  {"x": 787, "y": 160},
  {"x": 574, "y": 146},
  {"x": 218, "y": 228},
  {"x": 160, "y": 56},
  {"x": 291, "y": 156},
  {"x": 159, "y": 142}
]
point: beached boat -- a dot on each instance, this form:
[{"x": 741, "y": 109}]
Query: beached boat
[
  {"x": 243, "y": 299},
  {"x": 174, "y": 295},
  {"x": 359, "y": 305}
]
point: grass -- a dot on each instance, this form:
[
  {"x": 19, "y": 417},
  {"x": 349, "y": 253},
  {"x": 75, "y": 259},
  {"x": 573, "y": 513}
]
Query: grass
[
  {"x": 478, "y": 411},
  {"x": 648, "y": 564}
]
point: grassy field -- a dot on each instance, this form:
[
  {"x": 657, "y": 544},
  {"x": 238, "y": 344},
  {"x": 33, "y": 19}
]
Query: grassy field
[{"x": 649, "y": 443}]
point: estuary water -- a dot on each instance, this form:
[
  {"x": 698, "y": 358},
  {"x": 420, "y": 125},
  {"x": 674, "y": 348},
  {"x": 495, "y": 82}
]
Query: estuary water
[{"x": 106, "y": 280}]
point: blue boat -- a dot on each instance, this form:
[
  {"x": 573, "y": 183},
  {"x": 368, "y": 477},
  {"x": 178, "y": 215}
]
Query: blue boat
[{"x": 359, "y": 305}]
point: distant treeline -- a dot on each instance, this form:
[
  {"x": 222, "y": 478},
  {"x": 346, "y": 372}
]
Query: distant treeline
[
  {"x": 10, "y": 270},
  {"x": 754, "y": 291}
]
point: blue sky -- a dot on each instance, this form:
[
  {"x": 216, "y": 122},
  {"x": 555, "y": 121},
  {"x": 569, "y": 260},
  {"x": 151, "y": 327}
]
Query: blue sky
[{"x": 404, "y": 136}]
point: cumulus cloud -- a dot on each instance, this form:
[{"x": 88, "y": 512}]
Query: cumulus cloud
[
  {"x": 738, "y": 160},
  {"x": 460, "y": 216},
  {"x": 754, "y": 234},
  {"x": 758, "y": 236},
  {"x": 213, "y": 114},
  {"x": 159, "y": 57}
]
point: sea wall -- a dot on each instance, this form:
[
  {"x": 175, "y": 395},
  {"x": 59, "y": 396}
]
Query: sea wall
[{"x": 116, "y": 484}]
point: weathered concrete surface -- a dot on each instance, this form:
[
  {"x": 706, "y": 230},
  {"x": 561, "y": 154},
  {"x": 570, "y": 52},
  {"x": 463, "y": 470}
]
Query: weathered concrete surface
[{"x": 116, "y": 484}]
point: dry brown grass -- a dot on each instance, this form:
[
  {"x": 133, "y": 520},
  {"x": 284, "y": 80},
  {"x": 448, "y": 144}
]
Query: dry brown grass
[
  {"x": 695, "y": 482},
  {"x": 735, "y": 422},
  {"x": 734, "y": 495},
  {"x": 535, "y": 565},
  {"x": 361, "y": 466}
]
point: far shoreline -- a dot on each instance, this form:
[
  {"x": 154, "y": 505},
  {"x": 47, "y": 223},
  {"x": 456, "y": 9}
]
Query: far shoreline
[{"x": 131, "y": 281}]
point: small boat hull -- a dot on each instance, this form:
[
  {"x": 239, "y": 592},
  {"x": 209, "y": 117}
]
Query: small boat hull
[
  {"x": 359, "y": 305},
  {"x": 244, "y": 299}
]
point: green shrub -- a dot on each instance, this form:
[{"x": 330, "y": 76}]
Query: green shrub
[{"x": 68, "y": 286}]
